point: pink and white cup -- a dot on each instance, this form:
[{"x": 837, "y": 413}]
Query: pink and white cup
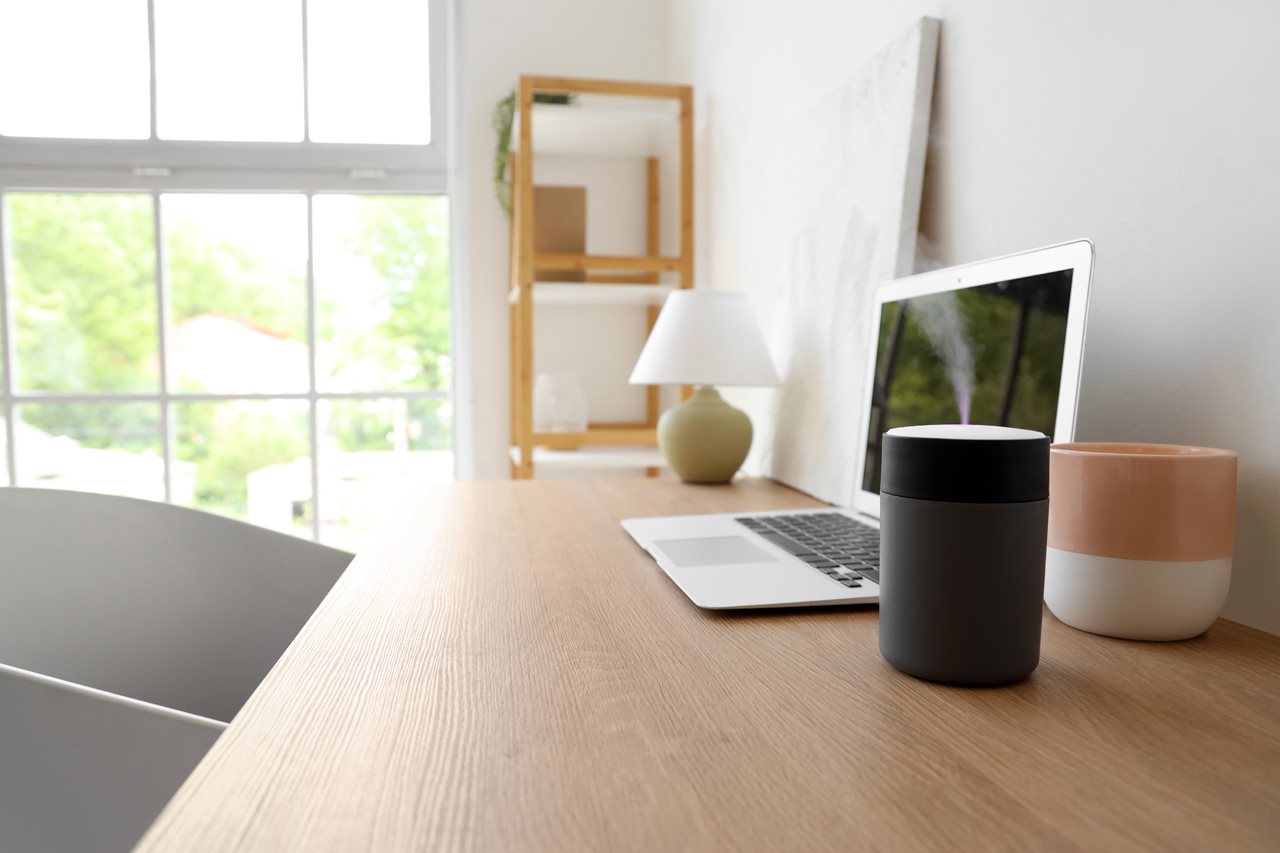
[{"x": 1140, "y": 538}]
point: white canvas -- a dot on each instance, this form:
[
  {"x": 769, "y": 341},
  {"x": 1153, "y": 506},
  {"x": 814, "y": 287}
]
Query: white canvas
[{"x": 841, "y": 211}]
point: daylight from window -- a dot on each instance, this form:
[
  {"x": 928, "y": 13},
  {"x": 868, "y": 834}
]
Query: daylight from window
[
  {"x": 84, "y": 70},
  {"x": 280, "y": 357}
]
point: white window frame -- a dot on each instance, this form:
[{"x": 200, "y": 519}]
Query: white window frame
[
  {"x": 157, "y": 166},
  {"x": 176, "y": 165}
]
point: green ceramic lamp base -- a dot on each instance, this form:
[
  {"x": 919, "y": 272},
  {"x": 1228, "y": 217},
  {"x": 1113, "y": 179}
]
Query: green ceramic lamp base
[{"x": 704, "y": 438}]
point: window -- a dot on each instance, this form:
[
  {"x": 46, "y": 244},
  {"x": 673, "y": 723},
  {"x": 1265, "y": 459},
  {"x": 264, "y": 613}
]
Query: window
[{"x": 224, "y": 276}]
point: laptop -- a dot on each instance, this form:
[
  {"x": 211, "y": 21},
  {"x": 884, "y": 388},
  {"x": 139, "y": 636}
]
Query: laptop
[{"x": 996, "y": 342}]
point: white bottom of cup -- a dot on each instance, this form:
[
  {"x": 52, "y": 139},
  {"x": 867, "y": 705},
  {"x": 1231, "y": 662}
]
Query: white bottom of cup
[{"x": 1135, "y": 599}]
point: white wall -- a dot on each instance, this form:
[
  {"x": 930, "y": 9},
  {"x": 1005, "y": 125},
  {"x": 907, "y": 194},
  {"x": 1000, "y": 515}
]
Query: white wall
[
  {"x": 599, "y": 344},
  {"x": 1151, "y": 127},
  {"x": 501, "y": 39}
]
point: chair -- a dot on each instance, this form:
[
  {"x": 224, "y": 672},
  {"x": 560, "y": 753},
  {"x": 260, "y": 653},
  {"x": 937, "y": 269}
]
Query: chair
[
  {"x": 159, "y": 603},
  {"x": 131, "y": 633},
  {"x": 85, "y": 770}
]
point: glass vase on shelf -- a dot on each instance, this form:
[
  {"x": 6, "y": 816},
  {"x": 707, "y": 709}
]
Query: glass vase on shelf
[{"x": 559, "y": 403}]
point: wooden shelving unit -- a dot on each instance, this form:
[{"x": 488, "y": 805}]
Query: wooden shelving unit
[{"x": 606, "y": 118}]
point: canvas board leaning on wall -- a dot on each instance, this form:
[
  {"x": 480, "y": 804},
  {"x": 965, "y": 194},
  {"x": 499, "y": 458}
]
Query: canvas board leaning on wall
[{"x": 846, "y": 220}]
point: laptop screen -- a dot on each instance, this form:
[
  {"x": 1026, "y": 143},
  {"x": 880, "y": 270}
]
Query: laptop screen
[{"x": 990, "y": 354}]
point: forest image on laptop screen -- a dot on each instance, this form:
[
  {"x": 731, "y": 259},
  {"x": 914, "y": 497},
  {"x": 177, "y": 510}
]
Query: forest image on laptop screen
[{"x": 990, "y": 354}]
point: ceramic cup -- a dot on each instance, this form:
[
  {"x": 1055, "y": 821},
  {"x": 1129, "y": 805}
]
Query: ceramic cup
[{"x": 1140, "y": 538}]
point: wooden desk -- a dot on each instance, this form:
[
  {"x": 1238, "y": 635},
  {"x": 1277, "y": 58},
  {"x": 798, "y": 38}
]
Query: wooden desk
[{"x": 505, "y": 670}]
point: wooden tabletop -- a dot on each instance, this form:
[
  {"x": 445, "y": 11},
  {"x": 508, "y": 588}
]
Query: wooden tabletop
[{"x": 505, "y": 670}]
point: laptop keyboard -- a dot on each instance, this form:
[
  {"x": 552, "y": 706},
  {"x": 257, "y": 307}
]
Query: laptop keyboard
[{"x": 841, "y": 548}]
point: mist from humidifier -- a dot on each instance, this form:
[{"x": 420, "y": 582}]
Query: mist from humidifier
[{"x": 944, "y": 325}]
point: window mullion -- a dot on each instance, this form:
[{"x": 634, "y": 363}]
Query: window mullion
[
  {"x": 312, "y": 370},
  {"x": 162, "y": 323},
  {"x": 55, "y": 397},
  {"x": 151, "y": 60},
  {"x": 6, "y": 353},
  {"x": 306, "y": 77}
]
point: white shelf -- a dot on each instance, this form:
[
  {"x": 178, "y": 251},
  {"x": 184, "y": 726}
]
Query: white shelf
[
  {"x": 604, "y": 126},
  {"x": 584, "y": 293},
  {"x": 596, "y": 457}
]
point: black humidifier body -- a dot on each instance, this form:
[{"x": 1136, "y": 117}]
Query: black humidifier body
[{"x": 964, "y": 513}]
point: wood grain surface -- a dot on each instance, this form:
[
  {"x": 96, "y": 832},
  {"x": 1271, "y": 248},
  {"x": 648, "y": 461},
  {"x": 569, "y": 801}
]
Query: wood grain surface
[{"x": 505, "y": 670}]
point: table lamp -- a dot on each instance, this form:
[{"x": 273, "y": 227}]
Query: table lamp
[{"x": 705, "y": 338}]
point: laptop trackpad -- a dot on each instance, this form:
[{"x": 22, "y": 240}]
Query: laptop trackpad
[{"x": 713, "y": 551}]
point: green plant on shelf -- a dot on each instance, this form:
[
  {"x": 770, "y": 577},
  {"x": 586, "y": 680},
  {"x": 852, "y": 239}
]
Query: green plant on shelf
[{"x": 504, "y": 113}]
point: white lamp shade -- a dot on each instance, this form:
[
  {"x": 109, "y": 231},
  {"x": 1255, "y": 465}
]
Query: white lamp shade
[{"x": 705, "y": 337}]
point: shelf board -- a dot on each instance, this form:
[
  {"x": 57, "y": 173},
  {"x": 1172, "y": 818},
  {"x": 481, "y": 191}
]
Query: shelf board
[
  {"x": 591, "y": 89},
  {"x": 604, "y": 126},
  {"x": 571, "y": 262},
  {"x": 586, "y": 293},
  {"x": 596, "y": 457},
  {"x": 614, "y": 436}
]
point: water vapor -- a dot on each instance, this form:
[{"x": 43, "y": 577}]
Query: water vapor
[{"x": 944, "y": 325}]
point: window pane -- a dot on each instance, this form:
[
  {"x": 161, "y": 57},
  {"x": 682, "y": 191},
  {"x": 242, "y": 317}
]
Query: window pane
[
  {"x": 369, "y": 71},
  {"x": 249, "y": 459},
  {"x": 230, "y": 70},
  {"x": 382, "y": 279},
  {"x": 237, "y": 269},
  {"x": 82, "y": 272},
  {"x": 371, "y": 451},
  {"x": 113, "y": 448},
  {"x": 74, "y": 68}
]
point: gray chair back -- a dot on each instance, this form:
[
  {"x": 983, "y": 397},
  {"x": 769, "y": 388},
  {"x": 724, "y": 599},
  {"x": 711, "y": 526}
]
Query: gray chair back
[{"x": 159, "y": 603}]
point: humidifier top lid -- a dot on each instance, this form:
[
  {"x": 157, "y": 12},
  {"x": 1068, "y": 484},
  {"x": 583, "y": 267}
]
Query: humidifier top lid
[{"x": 966, "y": 463}]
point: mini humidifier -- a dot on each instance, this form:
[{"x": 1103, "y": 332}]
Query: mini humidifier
[{"x": 964, "y": 516}]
